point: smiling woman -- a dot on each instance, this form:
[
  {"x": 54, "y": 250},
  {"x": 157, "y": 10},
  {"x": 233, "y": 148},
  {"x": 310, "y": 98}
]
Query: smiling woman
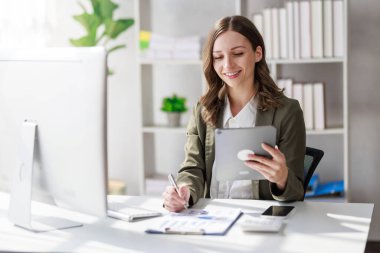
[
  {"x": 240, "y": 94},
  {"x": 28, "y": 26}
]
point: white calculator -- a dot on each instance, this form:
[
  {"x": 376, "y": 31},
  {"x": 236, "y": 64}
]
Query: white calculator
[{"x": 259, "y": 224}]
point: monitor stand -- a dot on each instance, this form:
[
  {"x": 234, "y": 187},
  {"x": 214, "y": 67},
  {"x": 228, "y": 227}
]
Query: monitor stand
[{"x": 21, "y": 193}]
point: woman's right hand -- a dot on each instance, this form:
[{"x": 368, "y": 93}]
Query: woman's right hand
[{"x": 174, "y": 201}]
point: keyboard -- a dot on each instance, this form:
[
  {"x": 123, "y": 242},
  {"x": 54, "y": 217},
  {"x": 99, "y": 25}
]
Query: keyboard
[
  {"x": 126, "y": 212},
  {"x": 257, "y": 224}
]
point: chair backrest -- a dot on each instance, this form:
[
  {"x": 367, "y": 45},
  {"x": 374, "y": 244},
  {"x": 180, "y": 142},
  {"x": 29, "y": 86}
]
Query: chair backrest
[{"x": 312, "y": 158}]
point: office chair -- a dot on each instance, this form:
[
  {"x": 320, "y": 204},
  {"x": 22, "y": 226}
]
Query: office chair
[{"x": 312, "y": 158}]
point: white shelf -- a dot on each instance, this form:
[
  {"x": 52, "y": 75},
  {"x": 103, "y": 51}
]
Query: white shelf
[
  {"x": 182, "y": 130},
  {"x": 270, "y": 61},
  {"x": 164, "y": 129},
  {"x": 171, "y": 61},
  {"x": 303, "y": 61},
  {"x": 326, "y": 131}
]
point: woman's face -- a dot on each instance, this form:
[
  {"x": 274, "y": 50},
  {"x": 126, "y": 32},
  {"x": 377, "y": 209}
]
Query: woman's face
[{"x": 234, "y": 60}]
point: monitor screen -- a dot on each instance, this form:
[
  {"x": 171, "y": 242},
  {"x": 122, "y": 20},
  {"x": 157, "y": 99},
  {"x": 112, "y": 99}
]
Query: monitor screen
[{"x": 62, "y": 90}]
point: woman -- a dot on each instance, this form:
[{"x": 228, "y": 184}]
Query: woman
[{"x": 240, "y": 93}]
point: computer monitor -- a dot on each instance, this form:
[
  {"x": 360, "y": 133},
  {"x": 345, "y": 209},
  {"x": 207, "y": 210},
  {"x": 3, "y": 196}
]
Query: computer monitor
[{"x": 56, "y": 96}]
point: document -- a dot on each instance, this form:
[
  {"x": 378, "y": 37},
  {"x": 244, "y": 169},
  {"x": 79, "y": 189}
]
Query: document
[{"x": 208, "y": 221}]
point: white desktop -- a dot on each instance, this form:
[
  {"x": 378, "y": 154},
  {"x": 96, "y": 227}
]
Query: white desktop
[{"x": 53, "y": 129}]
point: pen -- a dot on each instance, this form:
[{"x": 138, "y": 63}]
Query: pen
[{"x": 174, "y": 184}]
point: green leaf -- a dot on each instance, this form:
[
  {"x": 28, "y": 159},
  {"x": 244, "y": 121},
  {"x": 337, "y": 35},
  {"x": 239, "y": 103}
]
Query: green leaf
[
  {"x": 115, "y": 28},
  {"x": 89, "y": 21},
  {"x": 86, "y": 41},
  {"x": 104, "y": 8}
]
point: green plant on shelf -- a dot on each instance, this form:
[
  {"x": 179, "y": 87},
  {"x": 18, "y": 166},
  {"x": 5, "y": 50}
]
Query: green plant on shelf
[
  {"x": 101, "y": 27},
  {"x": 174, "y": 104}
]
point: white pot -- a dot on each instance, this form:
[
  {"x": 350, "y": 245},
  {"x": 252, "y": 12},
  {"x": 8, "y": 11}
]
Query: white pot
[{"x": 174, "y": 119}]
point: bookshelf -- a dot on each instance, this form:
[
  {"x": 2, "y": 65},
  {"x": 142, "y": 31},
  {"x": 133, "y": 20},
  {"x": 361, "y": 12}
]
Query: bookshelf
[{"x": 161, "y": 148}]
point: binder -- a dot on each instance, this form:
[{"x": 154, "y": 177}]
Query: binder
[
  {"x": 275, "y": 33},
  {"x": 258, "y": 21},
  {"x": 316, "y": 28},
  {"x": 319, "y": 106},
  {"x": 212, "y": 220},
  {"x": 305, "y": 28},
  {"x": 327, "y": 29},
  {"x": 267, "y": 14},
  {"x": 338, "y": 27},
  {"x": 298, "y": 94},
  {"x": 296, "y": 30},
  {"x": 283, "y": 34},
  {"x": 308, "y": 105},
  {"x": 290, "y": 26}
]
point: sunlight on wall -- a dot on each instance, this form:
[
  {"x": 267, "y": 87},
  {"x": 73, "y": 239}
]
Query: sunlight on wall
[{"x": 25, "y": 23}]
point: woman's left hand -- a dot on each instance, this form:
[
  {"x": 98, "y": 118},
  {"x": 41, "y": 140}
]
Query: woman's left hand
[{"x": 273, "y": 169}]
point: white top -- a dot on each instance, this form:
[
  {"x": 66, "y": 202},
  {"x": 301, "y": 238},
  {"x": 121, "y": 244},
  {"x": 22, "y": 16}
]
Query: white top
[{"x": 238, "y": 189}]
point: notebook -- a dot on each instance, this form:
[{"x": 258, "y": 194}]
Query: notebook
[
  {"x": 230, "y": 141},
  {"x": 126, "y": 212}
]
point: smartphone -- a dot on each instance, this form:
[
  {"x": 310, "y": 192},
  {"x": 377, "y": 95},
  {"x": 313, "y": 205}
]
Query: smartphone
[{"x": 277, "y": 211}]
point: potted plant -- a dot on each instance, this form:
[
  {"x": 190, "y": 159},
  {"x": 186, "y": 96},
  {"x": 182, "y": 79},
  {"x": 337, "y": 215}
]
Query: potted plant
[
  {"x": 174, "y": 106},
  {"x": 100, "y": 26}
]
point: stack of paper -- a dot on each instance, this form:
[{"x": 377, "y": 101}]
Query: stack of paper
[
  {"x": 212, "y": 220},
  {"x": 156, "y": 46}
]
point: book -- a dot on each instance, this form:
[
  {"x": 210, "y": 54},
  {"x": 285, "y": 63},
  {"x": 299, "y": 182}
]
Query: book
[
  {"x": 290, "y": 27},
  {"x": 297, "y": 37},
  {"x": 275, "y": 33},
  {"x": 283, "y": 34},
  {"x": 298, "y": 93},
  {"x": 327, "y": 29},
  {"x": 286, "y": 85},
  {"x": 338, "y": 28},
  {"x": 319, "y": 106},
  {"x": 289, "y": 87},
  {"x": 305, "y": 28},
  {"x": 308, "y": 105},
  {"x": 316, "y": 29},
  {"x": 258, "y": 21},
  {"x": 268, "y": 32}
]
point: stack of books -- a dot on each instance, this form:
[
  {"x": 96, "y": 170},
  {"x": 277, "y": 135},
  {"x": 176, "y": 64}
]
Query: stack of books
[
  {"x": 156, "y": 46},
  {"x": 311, "y": 97},
  {"x": 303, "y": 29}
]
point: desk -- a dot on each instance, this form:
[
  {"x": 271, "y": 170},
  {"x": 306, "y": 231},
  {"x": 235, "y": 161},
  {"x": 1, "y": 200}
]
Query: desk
[{"x": 314, "y": 227}]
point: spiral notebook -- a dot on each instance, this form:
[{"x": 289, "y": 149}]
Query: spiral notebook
[{"x": 208, "y": 221}]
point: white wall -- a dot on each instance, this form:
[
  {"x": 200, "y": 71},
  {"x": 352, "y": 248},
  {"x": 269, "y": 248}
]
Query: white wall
[
  {"x": 122, "y": 88},
  {"x": 364, "y": 105}
]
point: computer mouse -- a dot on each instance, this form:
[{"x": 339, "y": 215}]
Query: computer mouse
[{"x": 243, "y": 154}]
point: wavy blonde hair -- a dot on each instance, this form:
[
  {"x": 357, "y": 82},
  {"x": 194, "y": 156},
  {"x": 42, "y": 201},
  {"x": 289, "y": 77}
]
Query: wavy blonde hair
[{"x": 213, "y": 100}]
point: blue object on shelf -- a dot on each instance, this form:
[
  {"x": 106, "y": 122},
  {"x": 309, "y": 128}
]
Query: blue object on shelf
[
  {"x": 330, "y": 188},
  {"x": 313, "y": 183}
]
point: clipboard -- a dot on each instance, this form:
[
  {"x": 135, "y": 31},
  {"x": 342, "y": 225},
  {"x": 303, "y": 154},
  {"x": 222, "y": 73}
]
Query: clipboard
[{"x": 215, "y": 221}]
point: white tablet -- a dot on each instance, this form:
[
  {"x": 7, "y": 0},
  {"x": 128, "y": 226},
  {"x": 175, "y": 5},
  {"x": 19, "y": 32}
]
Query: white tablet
[{"x": 232, "y": 146}]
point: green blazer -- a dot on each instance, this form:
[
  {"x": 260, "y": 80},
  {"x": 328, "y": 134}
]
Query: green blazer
[{"x": 196, "y": 170}]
